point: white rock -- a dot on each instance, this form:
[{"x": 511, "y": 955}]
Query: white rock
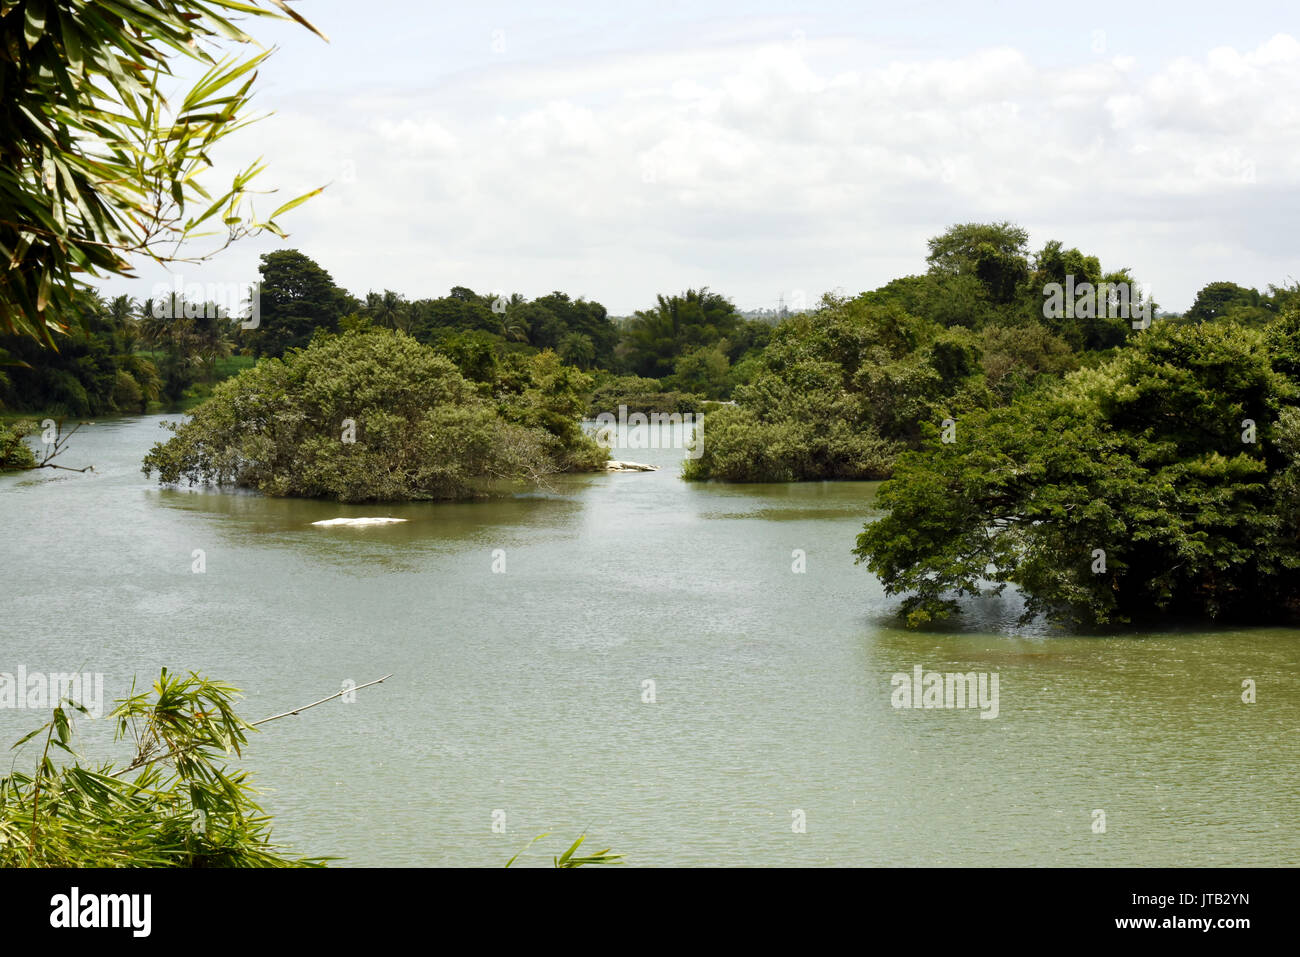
[{"x": 360, "y": 521}]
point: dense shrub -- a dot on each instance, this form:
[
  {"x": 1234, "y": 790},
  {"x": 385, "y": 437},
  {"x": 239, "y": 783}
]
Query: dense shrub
[{"x": 375, "y": 416}]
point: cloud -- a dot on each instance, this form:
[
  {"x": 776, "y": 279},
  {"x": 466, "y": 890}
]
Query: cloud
[{"x": 804, "y": 165}]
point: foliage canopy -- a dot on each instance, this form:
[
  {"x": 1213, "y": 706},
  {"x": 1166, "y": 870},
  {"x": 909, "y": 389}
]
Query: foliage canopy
[{"x": 372, "y": 415}]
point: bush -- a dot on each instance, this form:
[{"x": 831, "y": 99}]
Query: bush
[
  {"x": 640, "y": 394},
  {"x": 14, "y": 452},
  {"x": 174, "y": 803},
  {"x": 375, "y": 416}
]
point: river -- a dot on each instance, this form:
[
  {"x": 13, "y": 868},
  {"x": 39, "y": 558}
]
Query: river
[{"x": 519, "y": 695}]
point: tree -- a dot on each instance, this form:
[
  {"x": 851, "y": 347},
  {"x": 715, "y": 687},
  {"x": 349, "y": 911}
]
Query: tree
[
  {"x": 462, "y": 310},
  {"x": 705, "y": 371},
  {"x": 1139, "y": 488},
  {"x": 994, "y": 253},
  {"x": 298, "y": 297},
  {"x": 656, "y": 338},
  {"x": 541, "y": 393},
  {"x": 554, "y": 317},
  {"x": 1217, "y": 300},
  {"x": 389, "y": 310},
  {"x": 1014, "y": 357},
  {"x": 837, "y": 395},
  {"x": 578, "y": 350},
  {"x": 97, "y": 165}
]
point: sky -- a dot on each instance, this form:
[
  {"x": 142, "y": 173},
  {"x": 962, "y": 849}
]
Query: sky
[{"x": 772, "y": 152}]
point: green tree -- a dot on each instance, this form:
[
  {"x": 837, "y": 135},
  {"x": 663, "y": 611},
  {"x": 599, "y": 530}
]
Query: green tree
[
  {"x": 1218, "y": 300},
  {"x": 462, "y": 310},
  {"x": 1138, "y": 488},
  {"x": 297, "y": 298},
  {"x": 555, "y": 317},
  {"x": 1014, "y": 357},
  {"x": 578, "y": 350},
  {"x": 837, "y": 395},
  {"x": 388, "y": 310},
  {"x": 655, "y": 338},
  {"x": 994, "y": 253},
  {"x": 705, "y": 371}
]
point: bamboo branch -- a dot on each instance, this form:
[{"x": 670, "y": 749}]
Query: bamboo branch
[
  {"x": 140, "y": 761},
  {"x": 336, "y": 694}
]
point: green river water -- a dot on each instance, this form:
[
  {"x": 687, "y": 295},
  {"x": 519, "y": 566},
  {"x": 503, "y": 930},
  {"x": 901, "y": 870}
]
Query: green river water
[{"x": 522, "y": 691}]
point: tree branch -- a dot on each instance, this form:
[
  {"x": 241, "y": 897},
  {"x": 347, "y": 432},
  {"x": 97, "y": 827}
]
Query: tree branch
[{"x": 140, "y": 761}]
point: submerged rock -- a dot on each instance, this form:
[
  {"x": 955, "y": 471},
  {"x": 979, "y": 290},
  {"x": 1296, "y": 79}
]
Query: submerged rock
[{"x": 359, "y": 521}]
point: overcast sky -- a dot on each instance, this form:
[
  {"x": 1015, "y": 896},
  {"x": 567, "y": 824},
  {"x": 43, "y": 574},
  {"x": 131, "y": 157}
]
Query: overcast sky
[{"x": 617, "y": 150}]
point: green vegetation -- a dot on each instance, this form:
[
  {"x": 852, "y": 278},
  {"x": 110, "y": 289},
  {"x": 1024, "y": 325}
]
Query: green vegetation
[
  {"x": 692, "y": 344},
  {"x": 115, "y": 358},
  {"x": 691, "y": 341},
  {"x": 1227, "y": 300},
  {"x": 372, "y": 415},
  {"x": 96, "y": 370},
  {"x": 1161, "y": 482},
  {"x": 639, "y": 394},
  {"x": 297, "y": 297},
  {"x": 569, "y": 858},
  {"x": 99, "y": 166},
  {"x": 123, "y": 356},
  {"x": 14, "y": 452},
  {"x": 840, "y": 392},
  {"x": 174, "y": 803},
  {"x": 836, "y": 395}
]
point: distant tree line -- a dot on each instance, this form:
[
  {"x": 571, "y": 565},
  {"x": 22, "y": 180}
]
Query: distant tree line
[{"x": 694, "y": 343}]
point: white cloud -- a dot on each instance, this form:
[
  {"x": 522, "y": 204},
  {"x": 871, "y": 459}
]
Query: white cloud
[{"x": 806, "y": 165}]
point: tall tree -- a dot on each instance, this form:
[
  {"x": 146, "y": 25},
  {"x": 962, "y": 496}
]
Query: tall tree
[
  {"x": 297, "y": 298},
  {"x": 656, "y": 338},
  {"x": 995, "y": 253}
]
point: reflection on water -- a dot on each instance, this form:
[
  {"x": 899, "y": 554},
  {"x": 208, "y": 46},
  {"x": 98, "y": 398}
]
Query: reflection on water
[{"x": 522, "y": 689}]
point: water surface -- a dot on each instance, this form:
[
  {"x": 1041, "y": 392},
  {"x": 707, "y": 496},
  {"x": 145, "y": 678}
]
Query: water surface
[{"x": 522, "y": 691}]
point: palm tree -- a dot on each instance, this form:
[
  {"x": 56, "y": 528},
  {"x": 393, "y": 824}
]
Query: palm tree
[
  {"x": 514, "y": 325},
  {"x": 389, "y": 310},
  {"x": 121, "y": 312},
  {"x": 211, "y": 334}
]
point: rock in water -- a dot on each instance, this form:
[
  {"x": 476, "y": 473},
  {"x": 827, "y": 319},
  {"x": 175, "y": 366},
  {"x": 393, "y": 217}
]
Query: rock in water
[{"x": 359, "y": 521}]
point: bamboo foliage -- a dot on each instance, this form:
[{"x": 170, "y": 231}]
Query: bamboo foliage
[
  {"x": 97, "y": 164},
  {"x": 175, "y": 803}
]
